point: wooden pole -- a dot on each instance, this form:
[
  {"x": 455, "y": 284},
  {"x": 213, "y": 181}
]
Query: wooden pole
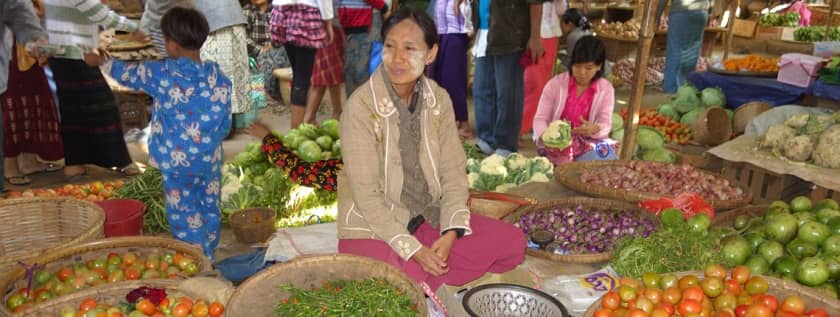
[
  {"x": 730, "y": 27},
  {"x": 830, "y": 15},
  {"x": 647, "y": 31}
]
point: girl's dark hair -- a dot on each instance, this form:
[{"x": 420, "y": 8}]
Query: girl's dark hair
[
  {"x": 427, "y": 25},
  {"x": 574, "y": 16},
  {"x": 185, "y": 26},
  {"x": 590, "y": 49}
]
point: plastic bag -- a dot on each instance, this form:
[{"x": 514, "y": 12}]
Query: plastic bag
[
  {"x": 258, "y": 97},
  {"x": 689, "y": 203},
  {"x": 578, "y": 292},
  {"x": 375, "y": 56}
]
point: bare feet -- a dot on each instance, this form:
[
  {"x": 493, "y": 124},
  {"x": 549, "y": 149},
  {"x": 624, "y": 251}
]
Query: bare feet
[
  {"x": 465, "y": 131},
  {"x": 74, "y": 170}
]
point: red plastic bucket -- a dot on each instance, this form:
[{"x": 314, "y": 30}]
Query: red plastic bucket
[{"x": 123, "y": 217}]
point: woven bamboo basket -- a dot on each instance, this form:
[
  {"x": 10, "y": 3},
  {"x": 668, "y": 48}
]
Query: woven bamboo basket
[
  {"x": 727, "y": 218},
  {"x": 66, "y": 257},
  {"x": 107, "y": 294},
  {"x": 569, "y": 176},
  {"x": 588, "y": 203},
  {"x": 778, "y": 287},
  {"x": 35, "y": 226},
  {"x": 253, "y": 224},
  {"x": 260, "y": 294},
  {"x": 496, "y": 205},
  {"x": 712, "y": 126},
  {"x": 746, "y": 112}
]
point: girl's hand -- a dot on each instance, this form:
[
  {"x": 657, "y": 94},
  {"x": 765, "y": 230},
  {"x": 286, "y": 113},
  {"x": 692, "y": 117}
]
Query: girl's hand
[
  {"x": 258, "y": 130},
  {"x": 586, "y": 128}
]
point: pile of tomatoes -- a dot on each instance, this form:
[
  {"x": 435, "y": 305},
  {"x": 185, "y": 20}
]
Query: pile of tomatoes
[
  {"x": 169, "y": 307},
  {"x": 93, "y": 192},
  {"x": 673, "y": 131},
  {"x": 47, "y": 284},
  {"x": 716, "y": 295}
]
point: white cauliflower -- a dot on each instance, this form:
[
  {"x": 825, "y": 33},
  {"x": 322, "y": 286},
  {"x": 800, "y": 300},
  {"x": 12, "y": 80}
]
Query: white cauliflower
[
  {"x": 542, "y": 164},
  {"x": 798, "y": 148},
  {"x": 473, "y": 165},
  {"x": 472, "y": 178},
  {"x": 777, "y": 135},
  {"x": 504, "y": 187},
  {"x": 539, "y": 177},
  {"x": 516, "y": 161},
  {"x": 797, "y": 121},
  {"x": 493, "y": 165},
  {"x": 827, "y": 152}
]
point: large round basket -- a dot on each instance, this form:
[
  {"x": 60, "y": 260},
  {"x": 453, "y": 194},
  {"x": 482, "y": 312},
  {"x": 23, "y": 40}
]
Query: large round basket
[
  {"x": 573, "y": 202},
  {"x": 712, "y": 126},
  {"x": 260, "y": 294},
  {"x": 778, "y": 287},
  {"x": 35, "y": 226},
  {"x": 111, "y": 295},
  {"x": 746, "y": 112},
  {"x": 727, "y": 218},
  {"x": 569, "y": 176},
  {"x": 66, "y": 257}
]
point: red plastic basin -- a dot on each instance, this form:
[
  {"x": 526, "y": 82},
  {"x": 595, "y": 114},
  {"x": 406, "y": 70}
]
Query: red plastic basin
[{"x": 123, "y": 217}]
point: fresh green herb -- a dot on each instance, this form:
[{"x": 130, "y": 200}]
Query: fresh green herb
[
  {"x": 816, "y": 34},
  {"x": 148, "y": 188},
  {"x": 789, "y": 19},
  {"x": 370, "y": 297},
  {"x": 670, "y": 249},
  {"x": 473, "y": 152}
]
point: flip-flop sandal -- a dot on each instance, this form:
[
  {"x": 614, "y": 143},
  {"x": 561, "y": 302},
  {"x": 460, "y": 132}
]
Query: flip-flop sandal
[{"x": 18, "y": 180}]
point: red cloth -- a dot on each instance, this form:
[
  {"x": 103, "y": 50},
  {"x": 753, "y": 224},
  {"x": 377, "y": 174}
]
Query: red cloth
[
  {"x": 494, "y": 246},
  {"x": 30, "y": 117},
  {"x": 577, "y": 106},
  {"x": 329, "y": 62},
  {"x": 536, "y": 76}
]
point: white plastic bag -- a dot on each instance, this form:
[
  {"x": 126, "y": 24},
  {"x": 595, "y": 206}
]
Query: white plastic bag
[
  {"x": 288, "y": 243},
  {"x": 578, "y": 292}
]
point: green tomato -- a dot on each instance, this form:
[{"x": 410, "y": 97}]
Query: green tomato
[
  {"x": 14, "y": 301},
  {"x": 699, "y": 222},
  {"x": 786, "y": 264},
  {"x": 801, "y": 248},
  {"x": 736, "y": 250},
  {"x": 813, "y": 232},
  {"x": 757, "y": 265},
  {"x": 831, "y": 246},
  {"x": 812, "y": 271},
  {"x": 43, "y": 276},
  {"x": 771, "y": 250},
  {"x": 801, "y": 203}
]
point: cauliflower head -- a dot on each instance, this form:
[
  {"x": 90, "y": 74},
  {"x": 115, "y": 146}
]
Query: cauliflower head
[
  {"x": 777, "y": 135},
  {"x": 539, "y": 177},
  {"x": 515, "y": 162},
  {"x": 797, "y": 121},
  {"x": 557, "y": 135},
  {"x": 798, "y": 148},
  {"x": 827, "y": 152},
  {"x": 504, "y": 187},
  {"x": 493, "y": 165}
]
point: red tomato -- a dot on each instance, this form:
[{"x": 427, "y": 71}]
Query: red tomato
[
  {"x": 817, "y": 312},
  {"x": 87, "y": 304},
  {"x": 659, "y": 313},
  {"x": 689, "y": 306},
  {"x": 601, "y": 312},
  {"x": 667, "y": 307},
  {"x": 637, "y": 313},
  {"x": 740, "y": 274},
  {"x": 181, "y": 310},
  {"x": 216, "y": 309},
  {"x": 64, "y": 273},
  {"x": 621, "y": 312},
  {"x": 741, "y": 310},
  {"x": 783, "y": 313},
  {"x": 732, "y": 286},
  {"x": 688, "y": 281},
  {"x": 723, "y": 313},
  {"x": 146, "y": 307},
  {"x": 759, "y": 310},
  {"x": 672, "y": 295},
  {"x": 653, "y": 294},
  {"x": 793, "y": 304},
  {"x": 611, "y": 300},
  {"x": 693, "y": 293},
  {"x": 770, "y": 301}
]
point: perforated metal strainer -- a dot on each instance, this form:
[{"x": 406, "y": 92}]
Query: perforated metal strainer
[{"x": 509, "y": 300}]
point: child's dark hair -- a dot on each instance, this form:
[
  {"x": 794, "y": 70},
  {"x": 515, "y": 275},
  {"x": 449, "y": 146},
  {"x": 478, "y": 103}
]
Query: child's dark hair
[
  {"x": 574, "y": 16},
  {"x": 590, "y": 49},
  {"x": 185, "y": 26},
  {"x": 427, "y": 25}
]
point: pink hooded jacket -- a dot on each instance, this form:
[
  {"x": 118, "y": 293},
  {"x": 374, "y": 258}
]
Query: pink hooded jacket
[{"x": 553, "y": 101}]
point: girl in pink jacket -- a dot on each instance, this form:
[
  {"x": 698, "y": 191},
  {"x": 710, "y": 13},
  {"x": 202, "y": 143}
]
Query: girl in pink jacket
[{"x": 584, "y": 99}]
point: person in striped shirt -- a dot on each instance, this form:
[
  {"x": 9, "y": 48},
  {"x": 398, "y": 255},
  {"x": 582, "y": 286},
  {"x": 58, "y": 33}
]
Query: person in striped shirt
[{"x": 90, "y": 120}]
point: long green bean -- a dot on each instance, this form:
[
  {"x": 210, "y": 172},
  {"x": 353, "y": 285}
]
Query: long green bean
[
  {"x": 148, "y": 188},
  {"x": 369, "y": 297}
]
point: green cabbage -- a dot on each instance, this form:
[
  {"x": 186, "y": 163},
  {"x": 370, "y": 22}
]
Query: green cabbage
[
  {"x": 686, "y": 103},
  {"x": 308, "y": 130},
  {"x": 687, "y": 89},
  {"x": 713, "y": 97},
  {"x": 617, "y": 135},
  {"x": 617, "y": 122},
  {"x": 659, "y": 155},
  {"x": 688, "y": 118},
  {"x": 330, "y": 127},
  {"x": 336, "y": 148},
  {"x": 292, "y": 140},
  {"x": 325, "y": 142},
  {"x": 558, "y": 135},
  {"x": 667, "y": 110},
  {"x": 649, "y": 138},
  {"x": 310, "y": 151}
]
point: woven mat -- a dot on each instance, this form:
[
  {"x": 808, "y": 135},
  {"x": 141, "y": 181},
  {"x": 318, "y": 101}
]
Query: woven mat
[{"x": 746, "y": 149}]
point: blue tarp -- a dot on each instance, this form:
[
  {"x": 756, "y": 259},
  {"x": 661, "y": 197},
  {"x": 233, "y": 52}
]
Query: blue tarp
[
  {"x": 822, "y": 90},
  {"x": 740, "y": 90}
]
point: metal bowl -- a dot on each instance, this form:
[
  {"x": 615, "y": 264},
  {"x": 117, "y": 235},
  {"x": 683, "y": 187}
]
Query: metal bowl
[{"x": 509, "y": 300}]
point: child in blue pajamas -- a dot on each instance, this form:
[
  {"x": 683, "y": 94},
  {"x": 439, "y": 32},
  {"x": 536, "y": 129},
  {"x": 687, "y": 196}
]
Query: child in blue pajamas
[{"x": 191, "y": 117}]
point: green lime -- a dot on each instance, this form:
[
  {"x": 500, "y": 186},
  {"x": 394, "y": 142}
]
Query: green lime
[{"x": 671, "y": 217}]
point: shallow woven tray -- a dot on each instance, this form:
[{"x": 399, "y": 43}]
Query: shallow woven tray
[
  {"x": 259, "y": 295},
  {"x": 111, "y": 294},
  {"x": 778, "y": 287},
  {"x": 35, "y": 226},
  {"x": 569, "y": 176},
  {"x": 98, "y": 249},
  {"x": 743, "y": 73},
  {"x": 496, "y": 205},
  {"x": 727, "y": 218},
  {"x": 604, "y": 204}
]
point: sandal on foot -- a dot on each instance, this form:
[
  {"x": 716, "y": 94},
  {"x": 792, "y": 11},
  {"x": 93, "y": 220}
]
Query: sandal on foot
[
  {"x": 18, "y": 180},
  {"x": 53, "y": 167},
  {"x": 130, "y": 170}
]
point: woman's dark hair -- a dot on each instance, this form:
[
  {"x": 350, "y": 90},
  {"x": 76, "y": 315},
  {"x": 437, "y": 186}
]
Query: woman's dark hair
[
  {"x": 184, "y": 26},
  {"x": 590, "y": 49},
  {"x": 574, "y": 16},
  {"x": 427, "y": 25}
]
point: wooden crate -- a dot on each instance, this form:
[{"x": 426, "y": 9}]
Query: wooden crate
[
  {"x": 764, "y": 185},
  {"x": 133, "y": 109},
  {"x": 819, "y": 192},
  {"x": 744, "y": 28}
]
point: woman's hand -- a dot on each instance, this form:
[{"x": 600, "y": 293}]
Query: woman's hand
[
  {"x": 430, "y": 262},
  {"x": 444, "y": 244},
  {"x": 586, "y": 128},
  {"x": 258, "y": 130}
]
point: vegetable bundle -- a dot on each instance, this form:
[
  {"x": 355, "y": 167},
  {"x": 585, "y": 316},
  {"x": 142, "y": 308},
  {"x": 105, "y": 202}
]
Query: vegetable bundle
[
  {"x": 497, "y": 173},
  {"x": 148, "y": 188},
  {"x": 779, "y": 19},
  {"x": 581, "y": 231},
  {"x": 816, "y": 34},
  {"x": 369, "y": 297},
  {"x": 313, "y": 143}
]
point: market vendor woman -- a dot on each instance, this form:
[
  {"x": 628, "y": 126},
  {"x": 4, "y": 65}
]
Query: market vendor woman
[{"x": 402, "y": 195}]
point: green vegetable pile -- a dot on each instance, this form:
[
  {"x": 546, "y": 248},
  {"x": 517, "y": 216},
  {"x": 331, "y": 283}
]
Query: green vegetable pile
[
  {"x": 370, "y": 297},
  {"x": 779, "y": 19},
  {"x": 799, "y": 241},
  {"x": 497, "y": 173},
  {"x": 313, "y": 143},
  {"x": 816, "y": 34},
  {"x": 148, "y": 188},
  {"x": 262, "y": 185},
  {"x": 678, "y": 246},
  {"x": 473, "y": 152}
]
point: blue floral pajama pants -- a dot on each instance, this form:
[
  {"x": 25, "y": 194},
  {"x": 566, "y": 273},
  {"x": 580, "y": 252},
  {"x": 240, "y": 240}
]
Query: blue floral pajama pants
[{"x": 193, "y": 207}]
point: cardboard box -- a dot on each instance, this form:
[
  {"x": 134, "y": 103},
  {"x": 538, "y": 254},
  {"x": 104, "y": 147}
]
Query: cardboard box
[
  {"x": 799, "y": 69},
  {"x": 744, "y": 28}
]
